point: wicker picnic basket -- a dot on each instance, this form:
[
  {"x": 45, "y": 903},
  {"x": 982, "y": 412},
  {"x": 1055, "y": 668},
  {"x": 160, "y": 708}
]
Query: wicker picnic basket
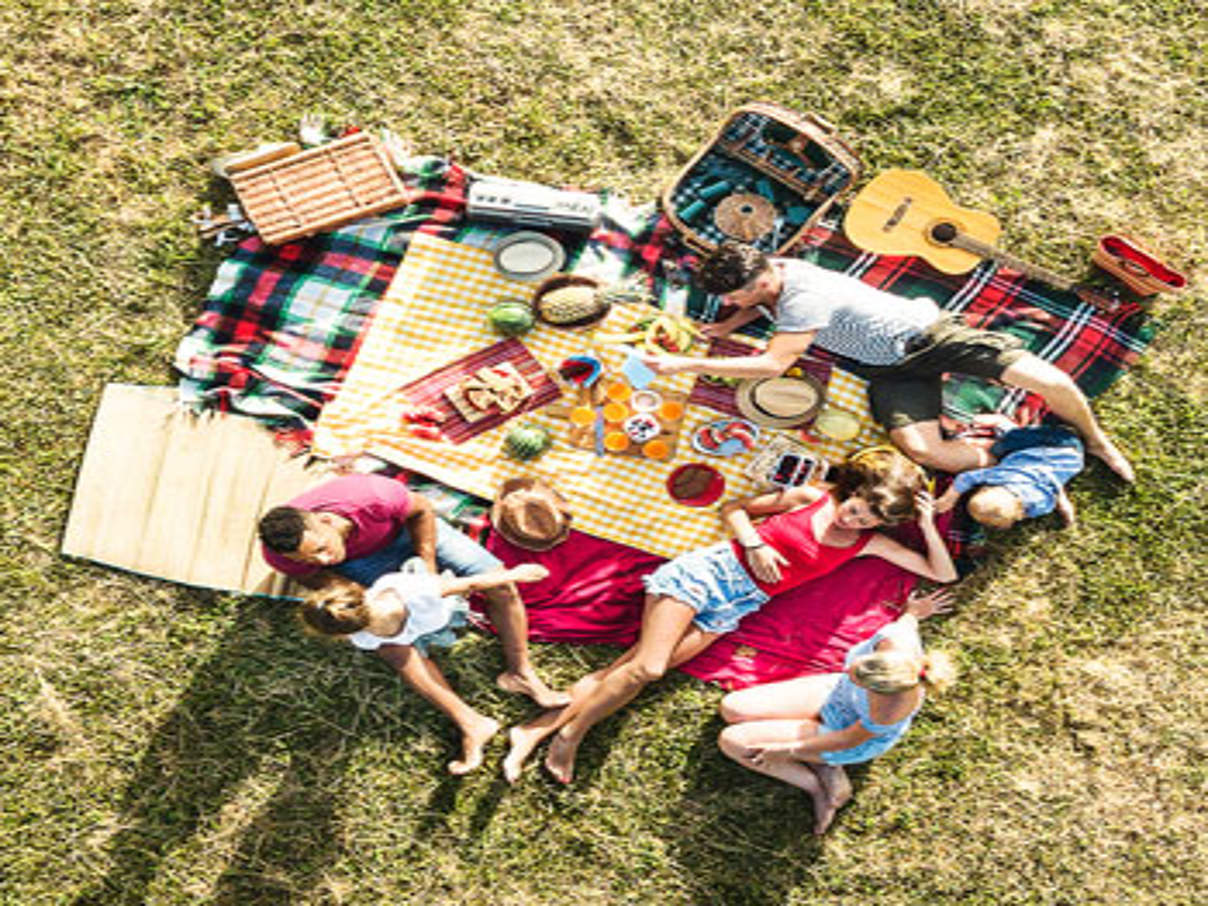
[
  {"x": 765, "y": 178},
  {"x": 319, "y": 189}
]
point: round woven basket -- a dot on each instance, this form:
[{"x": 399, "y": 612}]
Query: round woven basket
[{"x": 560, "y": 281}]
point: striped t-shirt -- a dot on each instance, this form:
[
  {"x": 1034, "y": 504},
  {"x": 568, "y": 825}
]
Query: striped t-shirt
[{"x": 851, "y": 318}]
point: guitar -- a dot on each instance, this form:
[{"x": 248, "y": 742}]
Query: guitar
[{"x": 906, "y": 212}]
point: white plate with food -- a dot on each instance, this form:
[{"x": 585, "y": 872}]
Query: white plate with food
[{"x": 725, "y": 437}]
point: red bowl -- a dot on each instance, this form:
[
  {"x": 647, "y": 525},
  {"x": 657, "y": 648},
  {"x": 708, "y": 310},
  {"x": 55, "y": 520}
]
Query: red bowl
[{"x": 714, "y": 490}]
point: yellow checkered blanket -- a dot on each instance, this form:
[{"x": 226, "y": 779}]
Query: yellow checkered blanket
[{"x": 435, "y": 312}]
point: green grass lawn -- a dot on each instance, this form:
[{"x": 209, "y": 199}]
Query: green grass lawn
[{"x": 165, "y": 745}]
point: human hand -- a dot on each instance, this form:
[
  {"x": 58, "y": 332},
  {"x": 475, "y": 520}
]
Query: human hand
[
  {"x": 717, "y": 330},
  {"x": 947, "y": 500},
  {"x": 765, "y": 562},
  {"x": 662, "y": 364},
  {"x": 529, "y": 572},
  {"x": 921, "y": 604},
  {"x": 924, "y": 503}
]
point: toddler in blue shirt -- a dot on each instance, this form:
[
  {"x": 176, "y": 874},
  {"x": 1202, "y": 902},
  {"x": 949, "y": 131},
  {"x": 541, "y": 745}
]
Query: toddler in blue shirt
[{"x": 1029, "y": 480}]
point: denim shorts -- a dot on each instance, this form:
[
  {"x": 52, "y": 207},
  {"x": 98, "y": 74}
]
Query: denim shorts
[
  {"x": 712, "y": 582},
  {"x": 455, "y": 552}
]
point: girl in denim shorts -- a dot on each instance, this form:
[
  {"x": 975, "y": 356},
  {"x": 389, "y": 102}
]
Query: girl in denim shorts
[{"x": 806, "y": 532}]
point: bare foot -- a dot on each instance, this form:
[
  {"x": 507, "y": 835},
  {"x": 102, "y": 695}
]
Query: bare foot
[
  {"x": 1113, "y": 459},
  {"x": 531, "y": 685},
  {"x": 1065, "y": 509},
  {"x": 524, "y": 740},
  {"x": 834, "y": 793},
  {"x": 473, "y": 740},
  {"x": 560, "y": 761}
]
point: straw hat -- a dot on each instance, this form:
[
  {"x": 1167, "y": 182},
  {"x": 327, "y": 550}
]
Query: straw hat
[
  {"x": 530, "y": 514},
  {"x": 779, "y": 402}
]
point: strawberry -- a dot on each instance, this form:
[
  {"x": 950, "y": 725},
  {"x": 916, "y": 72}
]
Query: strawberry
[{"x": 426, "y": 432}]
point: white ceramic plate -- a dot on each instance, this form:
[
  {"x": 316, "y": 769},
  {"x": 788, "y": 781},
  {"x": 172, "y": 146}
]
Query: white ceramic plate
[{"x": 528, "y": 256}]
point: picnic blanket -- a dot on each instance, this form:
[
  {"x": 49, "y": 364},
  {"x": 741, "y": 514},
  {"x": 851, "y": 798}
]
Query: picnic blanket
[
  {"x": 281, "y": 325},
  {"x": 434, "y": 314},
  {"x": 594, "y": 594},
  {"x": 221, "y": 370}
]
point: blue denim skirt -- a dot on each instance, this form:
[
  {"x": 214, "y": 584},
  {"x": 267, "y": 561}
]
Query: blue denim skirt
[{"x": 712, "y": 582}]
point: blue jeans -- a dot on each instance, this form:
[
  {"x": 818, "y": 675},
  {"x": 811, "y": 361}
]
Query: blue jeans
[{"x": 454, "y": 552}]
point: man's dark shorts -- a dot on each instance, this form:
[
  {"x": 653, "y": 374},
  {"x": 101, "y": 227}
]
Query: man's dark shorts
[{"x": 911, "y": 390}]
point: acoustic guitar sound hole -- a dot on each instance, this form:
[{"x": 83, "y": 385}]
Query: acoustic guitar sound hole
[{"x": 943, "y": 232}]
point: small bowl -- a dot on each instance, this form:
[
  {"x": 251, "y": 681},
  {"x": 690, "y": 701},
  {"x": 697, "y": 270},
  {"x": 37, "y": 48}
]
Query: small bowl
[
  {"x": 642, "y": 427},
  {"x": 645, "y": 401},
  {"x": 709, "y": 493}
]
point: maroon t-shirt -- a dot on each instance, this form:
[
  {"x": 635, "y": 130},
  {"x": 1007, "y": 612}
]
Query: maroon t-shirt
[{"x": 377, "y": 507}]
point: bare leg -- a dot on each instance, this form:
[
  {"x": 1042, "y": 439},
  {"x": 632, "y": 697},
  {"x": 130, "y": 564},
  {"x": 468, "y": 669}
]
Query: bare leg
[
  {"x": 1065, "y": 508},
  {"x": 422, "y": 675},
  {"x": 743, "y": 743},
  {"x": 666, "y": 625},
  {"x": 925, "y": 443},
  {"x": 525, "y": 738},
  {"x": 796, "y": 699},
  {"x": 507, "y": 613},
  {"x": 1069, "y": 403}
]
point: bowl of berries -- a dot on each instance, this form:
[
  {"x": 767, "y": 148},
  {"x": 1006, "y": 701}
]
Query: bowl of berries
[{"x": 725, "y": 437}]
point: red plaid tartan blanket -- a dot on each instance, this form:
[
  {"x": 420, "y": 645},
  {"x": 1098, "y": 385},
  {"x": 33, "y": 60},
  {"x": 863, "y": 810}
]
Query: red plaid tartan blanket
[{"x": 282, "y": 324}]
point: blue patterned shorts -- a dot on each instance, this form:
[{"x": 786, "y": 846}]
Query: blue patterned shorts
[{"x": 712, "y": 582}]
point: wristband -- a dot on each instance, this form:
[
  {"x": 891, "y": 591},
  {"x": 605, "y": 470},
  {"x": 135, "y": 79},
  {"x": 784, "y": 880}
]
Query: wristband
[{"x": 751, "y": 547}]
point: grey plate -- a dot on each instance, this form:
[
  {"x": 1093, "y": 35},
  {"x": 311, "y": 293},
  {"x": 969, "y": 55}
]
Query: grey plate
[{"x": 528, "y": 256}]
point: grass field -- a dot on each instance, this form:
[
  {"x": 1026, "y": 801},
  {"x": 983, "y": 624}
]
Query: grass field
[{"x": 164, "y": 745}]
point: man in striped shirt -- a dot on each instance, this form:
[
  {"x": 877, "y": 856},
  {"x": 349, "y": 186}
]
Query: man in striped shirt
[{"x": 902, "y": 346}]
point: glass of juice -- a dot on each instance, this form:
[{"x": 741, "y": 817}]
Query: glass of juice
[
  {"x": 582, "y": 416},
  {"x": 616, "y": 412},
  {"x": 671, "y": 410},
  {"x": 616, "y": 441},
  {"x": 619, "y": 391},
  {"x": 656, "y": 449}
]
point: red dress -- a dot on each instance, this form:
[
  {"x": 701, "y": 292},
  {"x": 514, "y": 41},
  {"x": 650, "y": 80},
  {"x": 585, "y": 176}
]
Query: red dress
[{"x": 792, "y": 534}]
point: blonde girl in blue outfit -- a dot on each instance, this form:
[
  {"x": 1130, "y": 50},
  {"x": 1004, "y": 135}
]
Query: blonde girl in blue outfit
[{"x": 803, "y": 731}]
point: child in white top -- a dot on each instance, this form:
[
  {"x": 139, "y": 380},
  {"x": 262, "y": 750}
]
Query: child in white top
[{"x": 400, "y": 617}]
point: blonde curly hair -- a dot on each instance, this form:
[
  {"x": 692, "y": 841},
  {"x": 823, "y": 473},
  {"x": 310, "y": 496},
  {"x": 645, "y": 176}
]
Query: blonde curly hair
[{"x": 888, "y": 672}]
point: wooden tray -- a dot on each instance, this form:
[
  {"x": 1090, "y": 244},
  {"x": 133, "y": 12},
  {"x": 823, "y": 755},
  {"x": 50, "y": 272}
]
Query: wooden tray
[
  {"x": 584, "y": 437},
  {"x": 319, "y": 189}
]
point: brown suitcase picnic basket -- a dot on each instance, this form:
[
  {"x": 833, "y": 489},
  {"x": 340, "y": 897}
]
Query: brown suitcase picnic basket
[{"x": 766, "y": 177}]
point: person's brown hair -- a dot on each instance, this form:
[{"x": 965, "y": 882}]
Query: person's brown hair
[
  {"x": 338, "y": 609},
  {"x": 730, "y": 267},
  {"x": 885, "y": 479}
]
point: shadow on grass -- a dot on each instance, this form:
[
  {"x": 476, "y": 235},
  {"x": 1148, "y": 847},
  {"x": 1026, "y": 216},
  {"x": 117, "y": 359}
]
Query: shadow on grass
[
  {"x": 250, "y": 712},
  {"x": 732, "y": 815}
]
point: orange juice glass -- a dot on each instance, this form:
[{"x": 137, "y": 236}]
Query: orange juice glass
[
  {"x": 619, "y": 391},
  {"x": 671, "y": 410},
  {"x": 616, "y": 441},
  {"x": 616, "y": 412},
  {"x": 582, "y": 416},
  {"x": 655, "y": 449}
]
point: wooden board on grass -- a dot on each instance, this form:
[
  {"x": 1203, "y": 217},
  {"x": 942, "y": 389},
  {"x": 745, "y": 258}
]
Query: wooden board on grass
[{"x": 177, "y": 496}]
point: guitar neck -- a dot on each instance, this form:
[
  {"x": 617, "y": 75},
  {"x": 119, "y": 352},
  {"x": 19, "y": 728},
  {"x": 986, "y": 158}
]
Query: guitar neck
[{"x": 969, "y": 244}]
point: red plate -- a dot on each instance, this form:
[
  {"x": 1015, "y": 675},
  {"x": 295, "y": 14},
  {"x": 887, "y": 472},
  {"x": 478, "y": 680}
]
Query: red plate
[{"x": 713, "y": 490}]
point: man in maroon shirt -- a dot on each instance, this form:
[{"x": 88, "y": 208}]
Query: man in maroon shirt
[{"x": 360, "y": 527}]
